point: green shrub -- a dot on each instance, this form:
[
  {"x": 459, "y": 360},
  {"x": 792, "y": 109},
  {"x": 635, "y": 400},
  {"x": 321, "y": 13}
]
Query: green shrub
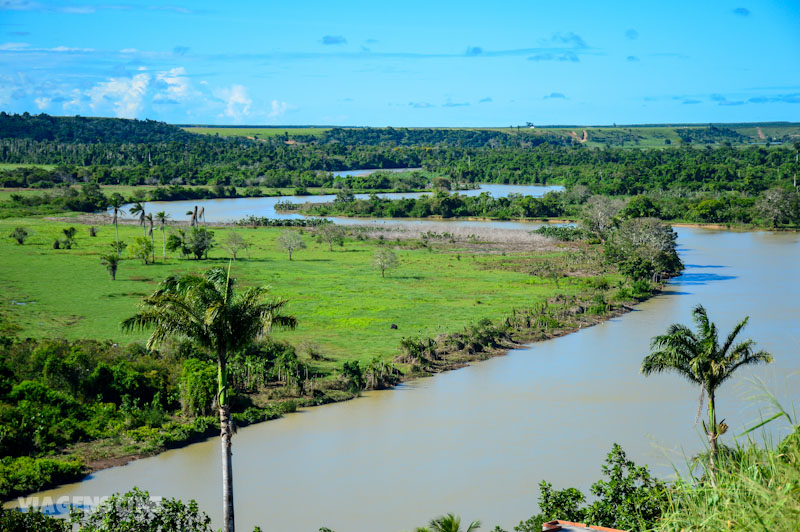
[
  {"x": 135, "y": 511},
  {"x": 198, "y": 386},
  {"x": 31, "y": 521},
  {"x": 25, "y": 474},
  {"x": 560, "y": 232}
]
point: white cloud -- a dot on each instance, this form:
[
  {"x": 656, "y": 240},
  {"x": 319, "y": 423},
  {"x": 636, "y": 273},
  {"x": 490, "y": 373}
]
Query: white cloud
[
  {"x": 237, "y": 103},
  {"x": 25, "y": 47},
  {"x": 74, "y": 103},
  {"x": 68, "y": 49},
  {"x": 14, "y": 46},
  {"x": 279, "y": 108},
  {"x": 128, "y": 51},
  {"x": 42, "y": 102},
  {"x": 177, "y": 84},
  {"x": 124, "y": 94}
]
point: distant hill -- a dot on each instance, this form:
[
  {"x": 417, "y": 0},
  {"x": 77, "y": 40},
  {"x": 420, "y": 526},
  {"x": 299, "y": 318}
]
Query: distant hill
[
  {"x": 627, "y": 136},
  {"x": 88, "y": 130}
]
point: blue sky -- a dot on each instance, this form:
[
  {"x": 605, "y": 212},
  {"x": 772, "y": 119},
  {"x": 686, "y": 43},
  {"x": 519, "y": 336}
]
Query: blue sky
[{"x": 410, "y": 63}]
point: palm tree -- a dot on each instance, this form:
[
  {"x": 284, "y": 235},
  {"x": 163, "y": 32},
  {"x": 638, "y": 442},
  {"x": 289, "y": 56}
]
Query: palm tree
[
  {"x": 138, "y": 208},
  {"x": 116, "y": 201},
  {"x": 111, "y": 262},
  {"x": 207, "y": 310},
  {"x": 162, "y": 216},
  {"x": 700, "y": 359},
  {"x": 449, "y": 523},
  {"x": 149, "y": 219}
]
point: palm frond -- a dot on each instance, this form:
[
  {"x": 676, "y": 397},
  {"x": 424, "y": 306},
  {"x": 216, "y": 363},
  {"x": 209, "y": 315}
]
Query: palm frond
[{"x": 733, "y": 334}]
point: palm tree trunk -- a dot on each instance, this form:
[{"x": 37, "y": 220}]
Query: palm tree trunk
[
  {"x": 226, "y": 432},
  {"x": 712, "y": 435},
  {"x": 227, "y": 467},
  {"x": 117, "y": 229}
]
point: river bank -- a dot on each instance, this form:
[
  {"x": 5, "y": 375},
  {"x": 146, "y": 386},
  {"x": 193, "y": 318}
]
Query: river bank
[
  {"x": 508, "y": 421},
  {"x": 509, "y": 281},
  {"x": 440, "y": 356}
]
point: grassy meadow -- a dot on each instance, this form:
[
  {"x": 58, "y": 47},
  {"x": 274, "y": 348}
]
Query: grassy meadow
[
  {"x": 256, "y": 132},
  {"x": 342, "y": 303},
  {"x": 130, "y": 191},
  {"x": 631, "y": 136}
]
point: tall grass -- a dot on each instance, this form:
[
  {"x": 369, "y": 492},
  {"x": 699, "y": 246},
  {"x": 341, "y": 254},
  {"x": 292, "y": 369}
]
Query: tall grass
[{"x": 756, "y": 486}]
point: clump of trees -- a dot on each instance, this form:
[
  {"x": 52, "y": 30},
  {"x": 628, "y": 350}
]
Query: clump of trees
[
  {"x": 644, "y": 248},
  {"x": 630, "y": 498},
  {"x": 197, "y": 241}
]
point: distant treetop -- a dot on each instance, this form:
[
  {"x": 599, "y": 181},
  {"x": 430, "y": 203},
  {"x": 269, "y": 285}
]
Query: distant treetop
[{"x": 87, "y": 130}]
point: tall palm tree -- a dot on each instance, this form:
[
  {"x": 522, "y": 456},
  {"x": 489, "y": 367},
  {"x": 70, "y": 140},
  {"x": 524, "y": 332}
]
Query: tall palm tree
[
  {"x": 162, "y": 216},
  {"x": 149, "y": 219},
  {"x": 116, "y": 201},
  {"x": 138, "y": 209},
  {"x": 699, "y": 358},
  {"x": 207, "y": 310},
  {"x": 449, "y": 523}
]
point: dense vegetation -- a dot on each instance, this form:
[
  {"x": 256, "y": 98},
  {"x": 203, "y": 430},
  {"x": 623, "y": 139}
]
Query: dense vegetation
[
  {"x": 724, "y": 184},
  {"x": 106, "y": 398},
  {"x": 86, "y": 130},
  {"x": 464, "y": 155},
  {"x": 65, "y": 403},
  {"x": 58, "y": 393}
]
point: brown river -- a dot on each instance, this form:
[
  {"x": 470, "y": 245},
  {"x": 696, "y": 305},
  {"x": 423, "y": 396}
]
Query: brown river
[{"x": 477, "y": 441}]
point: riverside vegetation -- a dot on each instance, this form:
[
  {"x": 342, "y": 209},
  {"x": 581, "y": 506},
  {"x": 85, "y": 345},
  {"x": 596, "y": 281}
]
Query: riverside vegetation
[
  {"x": 91, "y": 396},
  {"x": 744, "y": 487},
  {"x": 718, "y": 183},
  {"x": 81, "y": 394}
]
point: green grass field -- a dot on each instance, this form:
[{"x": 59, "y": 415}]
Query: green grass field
[
  {"x": 634, "y": 136},
  {"x": 342, "y": 303},
  {"x": 12, "y": 166},
  {"x": 256, "y": 132}
]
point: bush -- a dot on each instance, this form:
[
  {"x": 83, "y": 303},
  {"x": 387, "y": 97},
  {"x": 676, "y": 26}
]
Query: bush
[
  {"x": 559, "y": 232},
  {"x": 26, "y": 474},
  {"x": 142, "y": 248},
  {"x": 135, "y": 511},
  {"x": 199, "y": 242},
  {"x": 198, "y": 387},
  {"x": 31, "y": 521},
  {"x": 630, "y": 499},
  {"x": 19, "y": 234}
]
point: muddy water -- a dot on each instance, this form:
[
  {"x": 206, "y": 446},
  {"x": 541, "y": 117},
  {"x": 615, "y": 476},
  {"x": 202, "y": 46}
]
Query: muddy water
[
  {"x": 477, "y": 441},
  {"x": 232, "y": 209}
]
